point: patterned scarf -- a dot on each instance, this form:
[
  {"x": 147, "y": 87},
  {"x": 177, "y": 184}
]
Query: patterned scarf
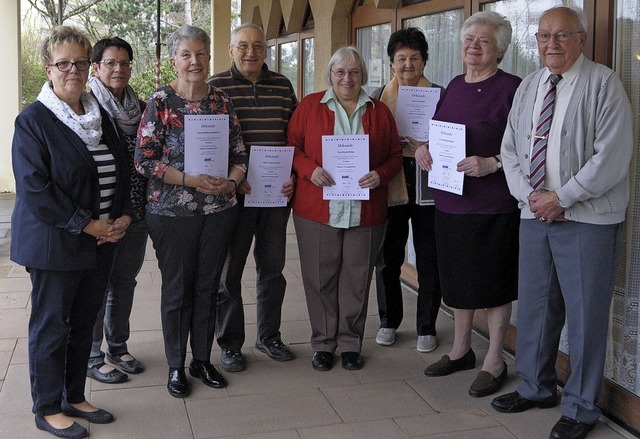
[
  {"x": 87, "y": 126},
  {"x": 126, "y": 114}
]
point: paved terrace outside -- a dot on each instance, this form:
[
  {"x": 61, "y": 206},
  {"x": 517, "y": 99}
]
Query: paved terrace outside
[{"x": 389, "y": 398}]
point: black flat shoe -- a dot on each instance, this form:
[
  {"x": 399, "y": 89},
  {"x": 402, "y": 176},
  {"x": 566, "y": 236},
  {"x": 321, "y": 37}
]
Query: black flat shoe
[
  {"x": 113, "y": 377},
  {"x": 567, "y": 428},
  {"x": 76, "y": 431},
  {"x": 352, "y": 360},
  {"x": 208, "y": 374},
  {"x": 515, "y": 403},
  {"x": 276, "y": 350},
  {"x": 178, "y": 386},
  {"x": 232, "y": 360},
  {"x": 97, "y": 417},
  {"x": 132, "y": 366},
  {"x": 322, "y": 361},
  {"x": 486, "y": 384},
  {"x": 447, "y": 366}
]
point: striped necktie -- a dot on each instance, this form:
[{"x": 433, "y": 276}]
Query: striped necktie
[{"x": 539, "y": 150}]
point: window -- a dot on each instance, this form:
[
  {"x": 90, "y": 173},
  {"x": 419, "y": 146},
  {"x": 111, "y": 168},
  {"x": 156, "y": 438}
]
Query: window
[
  {"x": 372, "y": 44},
  {"x": 308, "y": 64},
  {"x": 271, "y": 58},
  {"x": 625, "y": 345},
  {"x": 443, "y": 36},
  {"x": 522, "y": 56},
  {"x": 288, "y": 62}
]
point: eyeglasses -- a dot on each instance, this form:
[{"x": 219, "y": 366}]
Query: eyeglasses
[
  {"x": 560, "y": 37},
  {"x": 342, "y": 73},
  {"x": 244, "y": 47},
  {"x": 66, "y": 66},
  {"x": 111, "y": 63}
]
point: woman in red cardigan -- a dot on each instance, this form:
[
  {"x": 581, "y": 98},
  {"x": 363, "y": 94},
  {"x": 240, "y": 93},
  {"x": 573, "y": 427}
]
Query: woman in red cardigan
[{"x": 338, "y": 239}]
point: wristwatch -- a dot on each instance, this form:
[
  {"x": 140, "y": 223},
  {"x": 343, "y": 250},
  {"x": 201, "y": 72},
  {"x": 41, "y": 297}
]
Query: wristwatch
[
  {"x": 235, "y": 183},
  {"x": 499, "y": 163}
]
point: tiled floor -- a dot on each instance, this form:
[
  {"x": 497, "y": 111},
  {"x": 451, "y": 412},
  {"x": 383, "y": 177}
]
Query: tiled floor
[{"x": 389, "y": 398}]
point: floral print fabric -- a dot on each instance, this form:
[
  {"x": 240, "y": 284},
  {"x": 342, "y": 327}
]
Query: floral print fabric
[{"x": 160, "y": 145}]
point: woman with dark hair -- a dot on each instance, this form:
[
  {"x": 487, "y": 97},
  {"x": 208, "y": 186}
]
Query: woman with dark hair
[
  {"x": 112, "y": 59},
  {"x": 72, "y": 205},
  {"x": 190, "y": 217},
  {"x": 408, "y": 52}
]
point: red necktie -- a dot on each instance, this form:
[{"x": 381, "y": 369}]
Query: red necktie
[{"x": 539, "y": 151}]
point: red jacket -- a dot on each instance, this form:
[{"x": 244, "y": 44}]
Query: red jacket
[{"x": 309, "y": 123}]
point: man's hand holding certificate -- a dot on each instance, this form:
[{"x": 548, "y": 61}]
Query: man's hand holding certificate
[{"x": 269, "y": 169}]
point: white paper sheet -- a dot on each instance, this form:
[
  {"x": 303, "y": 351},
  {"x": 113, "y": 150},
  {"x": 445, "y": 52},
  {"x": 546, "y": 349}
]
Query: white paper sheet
[
  {"x": 206, "y": 144},
  {"x": 415, "y": 108},
  {"x": 447, "y": 145},
  {"x": 269, "y": 168},
  {"x": 346, "y": 159}
]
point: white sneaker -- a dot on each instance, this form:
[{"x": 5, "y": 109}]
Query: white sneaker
[
  {"x": 426, "y": 343},
  {"x": 386, "y": 336}
]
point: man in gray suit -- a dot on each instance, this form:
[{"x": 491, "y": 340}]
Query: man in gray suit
[{"x": 566, "y": 154}]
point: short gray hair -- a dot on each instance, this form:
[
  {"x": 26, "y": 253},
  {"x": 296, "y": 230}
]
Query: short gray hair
[
  {"x": 499, "y": 22},
  {"x": 234, "y": 33},
  {"x": 578, "y": 15},
  {"x": 187, "y": 33},
  {"x": 350, "y": 55}
]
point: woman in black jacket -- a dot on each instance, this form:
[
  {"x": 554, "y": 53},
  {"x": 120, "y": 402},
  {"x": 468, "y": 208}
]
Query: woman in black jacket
[{"x": 72, "y": 204}]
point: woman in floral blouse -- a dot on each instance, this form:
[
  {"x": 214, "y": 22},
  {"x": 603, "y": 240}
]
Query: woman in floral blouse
[{"x": 190, "y": 217}]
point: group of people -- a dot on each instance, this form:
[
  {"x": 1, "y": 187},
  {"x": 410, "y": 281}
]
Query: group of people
[{"x": 539, "y": 220}]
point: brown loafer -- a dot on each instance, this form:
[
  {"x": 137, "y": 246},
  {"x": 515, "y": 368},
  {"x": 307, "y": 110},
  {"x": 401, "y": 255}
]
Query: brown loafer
[
  {"x": 447, "y": 366},
  {"x": 486, "y": 384}
]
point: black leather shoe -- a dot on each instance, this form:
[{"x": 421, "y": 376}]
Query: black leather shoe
[
  {"x": 322, "y": 361},
  {"x": 515, "y": 403},
  {"x": 207, "y": 373},
  {"x": 178, "y": 385},
  {"x": 567, "y": 428},
  {"x": 76, "y": 431},
  {"x": 447, "y": 366},
  {"x": 486, "y": 384},
  {"x": 232, "y": 360},
  {"x": 98, "y": 417},
  {"x": 352, "y": 360},
  {"x": 276, "y": 350},
  {"x": 113, "y": 377},
  {"x": 130, "y": 366}
]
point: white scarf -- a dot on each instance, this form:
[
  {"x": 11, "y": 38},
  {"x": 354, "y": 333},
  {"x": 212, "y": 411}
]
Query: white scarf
[
  {"x": 87, "y": 126},
  {"x": 126, "y": 114}
]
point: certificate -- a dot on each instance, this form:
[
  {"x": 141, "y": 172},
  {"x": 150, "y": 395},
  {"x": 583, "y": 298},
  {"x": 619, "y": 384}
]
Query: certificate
[
  {"x": 415, "y": 108},
  {"x": 269, "y": 168},
  {"x": 447, "y": 145},
  {"x": 206, "y": 144},
  {"x": 346, "y": 160}
]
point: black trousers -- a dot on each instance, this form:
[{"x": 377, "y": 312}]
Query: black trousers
[
  {"x": 391, "y": 257},
  {"x": 191, "y": 252},
  {"x": 269, "y": 227},
  {"x": 64, "y": 306}
]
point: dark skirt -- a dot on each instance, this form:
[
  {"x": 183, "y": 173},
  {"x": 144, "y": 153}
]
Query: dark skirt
[{"x": 477, "y": 259}]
